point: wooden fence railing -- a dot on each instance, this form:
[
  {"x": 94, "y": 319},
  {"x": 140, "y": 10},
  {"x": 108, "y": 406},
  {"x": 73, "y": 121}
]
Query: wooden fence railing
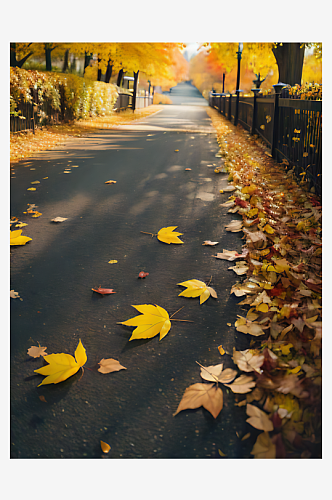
[{"x": 291, "y": 128}]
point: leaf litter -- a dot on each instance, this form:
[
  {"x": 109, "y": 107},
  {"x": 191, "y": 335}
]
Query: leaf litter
[{"x": 282, "y": 287}]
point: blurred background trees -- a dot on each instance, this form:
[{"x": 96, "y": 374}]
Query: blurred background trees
[
  {"x": 291, "y": 63},
  {"x": 158, "y": 63}
]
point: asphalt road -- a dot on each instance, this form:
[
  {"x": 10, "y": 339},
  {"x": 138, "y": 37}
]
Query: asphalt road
[{"x": 132, "y": 409}]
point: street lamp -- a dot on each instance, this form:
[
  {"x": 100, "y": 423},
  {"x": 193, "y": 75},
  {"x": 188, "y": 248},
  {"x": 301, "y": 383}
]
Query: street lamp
[{"x": 239, "y": 55}]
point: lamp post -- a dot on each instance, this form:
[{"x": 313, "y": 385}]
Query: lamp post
[{"x": 239, "y": 55}]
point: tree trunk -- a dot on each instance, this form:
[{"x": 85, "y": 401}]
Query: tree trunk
[
  {"x": 73, "y": 65},
  {"x": 108, "y": 71},
  {"x": 48, "y": 53},
  {"x": 120, "y": 75},
  {"x": 87, "y": 59},
  {"x": 66, "y": 61},
  {"x": 13, "y": 57},
  {"x": 13, "y": 60},
  {"x": 289, "y": 58},
  {"x": 99, "y": 71}
]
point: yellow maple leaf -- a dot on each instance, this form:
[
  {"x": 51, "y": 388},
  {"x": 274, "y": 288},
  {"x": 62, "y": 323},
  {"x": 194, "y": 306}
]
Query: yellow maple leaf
[
  {"x": 196, "y": 288},
  {"x": 62, "y": 366},
  {"x": 153, "y": 320},
  {"x": 17, "y": 239},
  {"x": 167, "y": 235}
]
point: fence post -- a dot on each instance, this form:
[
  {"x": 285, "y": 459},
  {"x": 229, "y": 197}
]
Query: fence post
[
  {"x": 254, "y": 111},
  {"x": 277, "y": 89},
  {"x": 237, "y": 106},
  {"x": 135, "y": 89},
  {"x": 230, "y": 107}
]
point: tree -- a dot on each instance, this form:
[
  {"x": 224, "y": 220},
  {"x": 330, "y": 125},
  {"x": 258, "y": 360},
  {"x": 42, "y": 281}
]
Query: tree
[
  {"x": 19, "y": 53},
  {"x": 290, "y": 58}
]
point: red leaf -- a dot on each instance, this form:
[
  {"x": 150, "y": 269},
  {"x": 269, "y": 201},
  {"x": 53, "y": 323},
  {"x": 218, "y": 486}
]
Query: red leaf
[
  {"x": 103, "y": 291},
  {"x": 241, "y": 203},
  {"x": 142, "y": 274}
]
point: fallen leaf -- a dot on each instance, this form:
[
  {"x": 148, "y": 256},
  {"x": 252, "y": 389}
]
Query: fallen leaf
[
  {"x": 110, "y": 365},
  {"x": 242, "y": 384},
  {"x": 167, "y": 235},
  {"x": 215, "y": 373},
  {"x": 196, "y": 288},
  {"x": 21, "y": 224},
  {"x": 221, "y": 453},
  {"x": 229, "y": 189},
  {"x": 187, "y": 168},
  {"x": 66, "y": 172},
  {"x": 209, "y": 396},
  {"x": 264, "y": 448},
  {"x": 37, "y": 214},
  {"x": 110, "y": 182},
  {"x": 229, "y": 255},
  {"x": 103, "y": 291},
  {"x": 227, "y": 204},
  {"x": 240, "y": 268},
  {"x": 35, "y": 182},
  {"x": 35, "y": 352},
  {"x": 42, "y": 398},
  {"x": 142, "y": 274},
  {"x": 105, "y": 447},
  {"x": 62, "y": 366},
  {"x": 17, "y": 239},
  {"x": 114, "y": 261},
  {"x": 31, "y": 189},
  {"x": 176, "y": 150},
  {"x": 245, "y": 326},
  {"x": 248, "y": 361},
  {"x": 246, "y": 436},
  {"x": 221, "y": 350},
  {"x": 153, "y": 320},
  {"x": 59, "y": 219},
  {"x": 258, "y": 418},
  {"x": 14, "y": 295},
  {"x": 210, "y": 243}
]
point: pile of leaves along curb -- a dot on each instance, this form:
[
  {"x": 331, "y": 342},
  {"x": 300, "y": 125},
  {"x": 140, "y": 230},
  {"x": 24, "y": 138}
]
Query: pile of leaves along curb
[{"x": 281, "y": 263}]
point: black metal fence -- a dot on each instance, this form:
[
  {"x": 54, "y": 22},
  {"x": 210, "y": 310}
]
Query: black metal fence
[
  {"x": 291, "y": 128},
  {"x": 30, "y": 115}
]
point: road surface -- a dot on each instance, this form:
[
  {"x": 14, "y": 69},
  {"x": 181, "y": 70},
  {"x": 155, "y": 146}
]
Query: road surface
[{"x": 132, "y": 409}]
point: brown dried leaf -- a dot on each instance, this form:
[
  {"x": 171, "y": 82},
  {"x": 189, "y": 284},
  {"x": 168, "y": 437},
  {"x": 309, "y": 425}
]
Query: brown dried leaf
[
  {"x": 35, "y": 352},
  {"x": 248, "y": 361},
  {"x": 240, "y": 268},
  {"x": 216, "y": 373},
  {"x": 229, "y": 255},
  {"x": 242, "y": 385},
  {"x": 59, "y": 219},
  {"x": 234, "y": 226},
  {"x": 264, "y": 448},
  {"x": 210, "y": 243},
  {"x": 258, "y": 418},
  {"x": 245, "y": 326},
  {"x": 209, "y": 396},
  {"x": 110, "y": 365}
]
